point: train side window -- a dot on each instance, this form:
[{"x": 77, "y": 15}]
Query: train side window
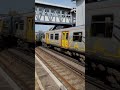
[
  {"x": 5, "y": 24},
  {"x": 16, "y": 25},
  {"x": 66, "y": 36},
  {"x": 102, "y": 26},
  {"x": 77, "y": 36},
  {"x": 43, "y": 35},
  {"x": 51, "y": 36},
  {"x": 21, "y": 25},
  {"x": 56, "y": 36}
]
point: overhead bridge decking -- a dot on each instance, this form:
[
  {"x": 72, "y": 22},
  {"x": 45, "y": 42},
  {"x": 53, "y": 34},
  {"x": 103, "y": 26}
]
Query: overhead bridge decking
[{"x": 53, "y": 14}]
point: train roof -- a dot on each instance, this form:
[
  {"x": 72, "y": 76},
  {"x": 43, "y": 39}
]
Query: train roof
[
  {"x": 81, "y": 27},
  {"x": 103, "y": 4}
]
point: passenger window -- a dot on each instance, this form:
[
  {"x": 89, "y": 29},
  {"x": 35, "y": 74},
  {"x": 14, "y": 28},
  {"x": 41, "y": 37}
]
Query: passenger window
[
  {"x": 43, "y": 35},
  {"x": 77, "y": 36},
  {"x": 66, "y": 36},
  {"x": 51, "y": 36},
  {"x": 56, "y": 36},
  {"x": 22, "y": 25},
  {"x": 63, "y": 34},
  {"x": 16, "y": 25},
  {"x": 102, "y": 26},
  {"x": 5, "y": 25}
]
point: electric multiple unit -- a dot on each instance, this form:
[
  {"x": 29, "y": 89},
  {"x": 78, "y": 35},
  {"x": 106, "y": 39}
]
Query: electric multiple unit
[
  {"x": 19, "y": 27},
  {"x": 71, "y": 39},
  {"x": 103, "y": 30}
]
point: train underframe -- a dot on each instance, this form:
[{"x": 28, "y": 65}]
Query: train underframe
[
  {"x": 104, "y": 70},
  {"x": 29, "y": 46},
  {"x": 72, "y": 53},
  {"x": 8, "y": 41},
  {"x": 12, "y": 41}
]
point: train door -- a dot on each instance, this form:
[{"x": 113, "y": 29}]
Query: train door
[
  {"x": 47, "y": 38},
  {"x": 65, "y": 39},
  {"x": 1, "y": 23},
  {"x": 30, "y": 31}
]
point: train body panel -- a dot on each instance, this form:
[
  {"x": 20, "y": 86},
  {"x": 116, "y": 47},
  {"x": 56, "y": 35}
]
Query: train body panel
[
  {"x": 20, "y": 27},
  {"x": 25, "y": 29},
  {"x": 103, "y": 29},
  {"x": 6, "y": 26},
  {"x": 69, "y": 38}
]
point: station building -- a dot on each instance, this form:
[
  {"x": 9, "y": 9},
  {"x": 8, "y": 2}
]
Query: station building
[{"x": 80, "y": 12}]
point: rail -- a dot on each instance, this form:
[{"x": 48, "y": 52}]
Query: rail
[{"x": 57, "y": 61}]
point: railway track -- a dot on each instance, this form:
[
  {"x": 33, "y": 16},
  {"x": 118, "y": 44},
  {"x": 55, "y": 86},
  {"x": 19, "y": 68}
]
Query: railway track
[
  {"x": 90, "y": 79},
  {"x": 72, "y": 77},
  {"x": 18, "y": 68},
  {"x": 67, "y": 56},
  {"x": 68, "y": 75}
]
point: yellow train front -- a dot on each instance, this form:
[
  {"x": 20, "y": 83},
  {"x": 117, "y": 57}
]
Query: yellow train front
[
  {"x": 18, "y": 28},
  {"x": 25, "y": 30},
  {"x": 70, "y": 40}
]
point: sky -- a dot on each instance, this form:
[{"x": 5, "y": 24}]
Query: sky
[
  {"x": 60, "y": 2},
  {"x": 15, "y": 5}
]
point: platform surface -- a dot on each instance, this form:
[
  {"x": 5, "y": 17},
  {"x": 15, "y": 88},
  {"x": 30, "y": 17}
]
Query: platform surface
[{"x": 6, "y": 83}]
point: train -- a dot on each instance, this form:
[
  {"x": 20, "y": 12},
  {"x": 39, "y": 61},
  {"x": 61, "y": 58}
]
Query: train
[
  {"x": 103, "y": 30},
  {"x": 71, "y": 40},
  {"x": 18, "y": 29},
  {"x": 98, "y": 40},
  {"x": 103, "y": 41}
]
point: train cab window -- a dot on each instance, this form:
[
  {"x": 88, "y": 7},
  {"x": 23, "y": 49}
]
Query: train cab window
[
  {"x": 51, "y": 36},
  {"x": 77, "y": 36},
  {"x": 56, "y": 36},
  {"x": 102, "y": 26}
]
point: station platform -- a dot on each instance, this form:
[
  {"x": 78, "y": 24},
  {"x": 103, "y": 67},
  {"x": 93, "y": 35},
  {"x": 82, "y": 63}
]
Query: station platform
[
  {"x": 6, "y": 83},
  {"x": 45, "y": 78}
]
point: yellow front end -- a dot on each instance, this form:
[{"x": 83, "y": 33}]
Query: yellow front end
[
  {"x": 30, "y": 32},
  {"x": 1, "y": 25},
  {"x": 47, "y": 38},
  {"x": 65, "y": 43}
]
